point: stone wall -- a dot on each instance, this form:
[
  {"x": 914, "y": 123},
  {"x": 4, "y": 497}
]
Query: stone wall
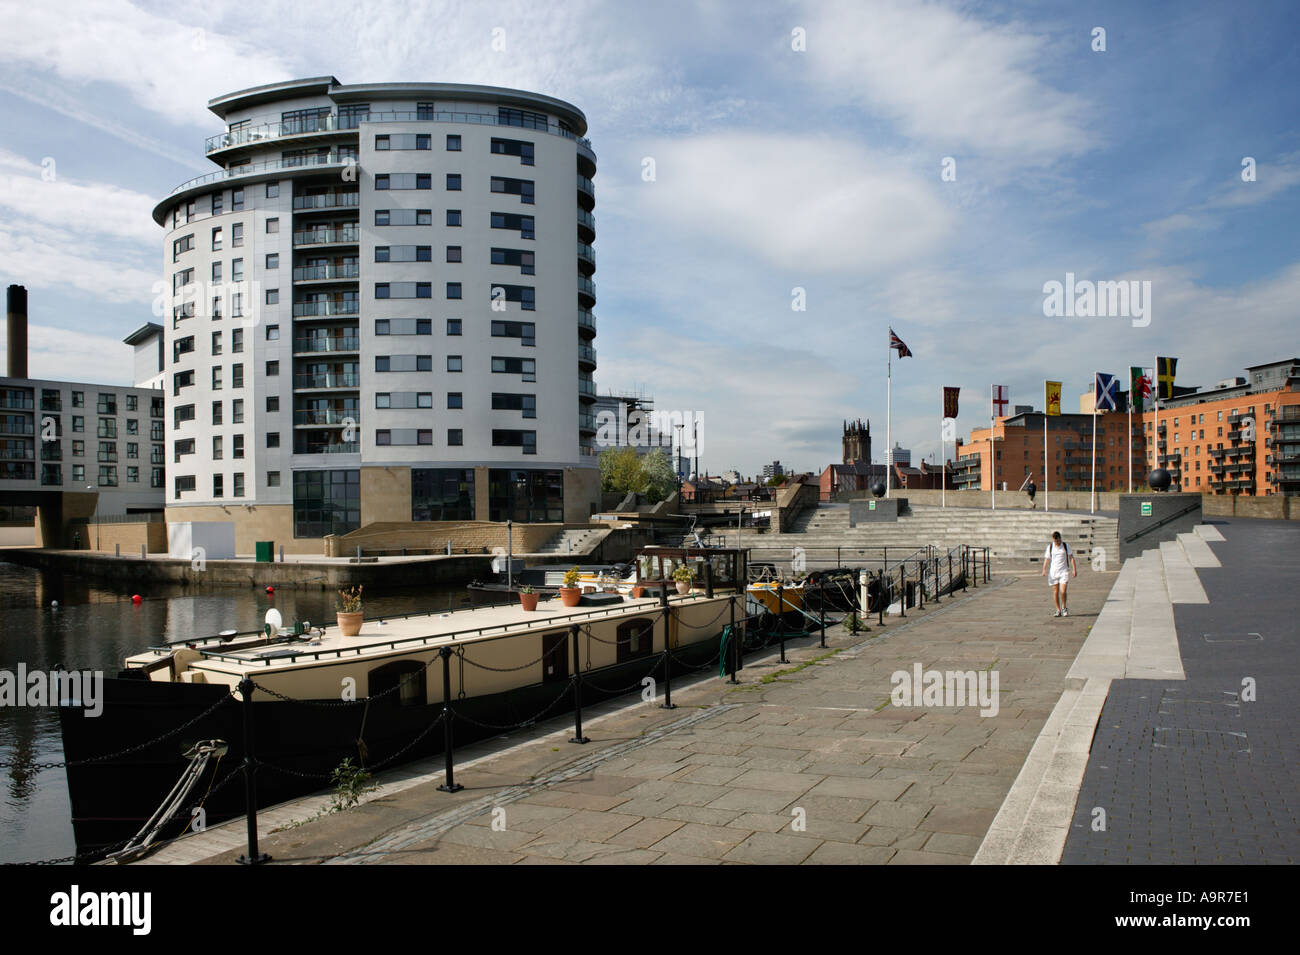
[
  {"x": 256, "y": 522},
  {"x": 105, "y": 538},
  {"x": 473, "y": 537}
]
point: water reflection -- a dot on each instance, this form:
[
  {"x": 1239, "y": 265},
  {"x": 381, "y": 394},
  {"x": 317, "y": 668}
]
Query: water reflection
[{"x": 93, "y": 627}]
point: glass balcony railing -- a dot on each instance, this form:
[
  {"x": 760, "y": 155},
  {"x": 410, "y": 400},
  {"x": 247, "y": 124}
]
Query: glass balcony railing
[
  {"x": 587, "y": 353},
  {"x": 341, "y": 447},
  {"x": 586, "y": 421},
  {"x": 332, "y": 344},
  {"x": 586, "y": 252},
  {"x": 326, "y": 272},
  {"x": 586, "y": 386},
  {"x": 586, "y": 319},
  {"x": 322, "y": 236},
  {"x": 330, "y": 380},
  {"x": 327, "y": 200},
  {"x": 258, "y": 168},
  {"x": 586, "y": 286},
  {"x": 587, "y": 186},
  {"x": 332, "y": 123},
  {"x": 337, "y": 416},
  {"x": 345, "y": 307},
  {"x": 586, "y": 219}
]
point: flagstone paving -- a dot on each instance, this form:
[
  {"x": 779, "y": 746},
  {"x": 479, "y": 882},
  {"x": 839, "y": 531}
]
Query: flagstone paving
[{"x": 808, "y": 765}]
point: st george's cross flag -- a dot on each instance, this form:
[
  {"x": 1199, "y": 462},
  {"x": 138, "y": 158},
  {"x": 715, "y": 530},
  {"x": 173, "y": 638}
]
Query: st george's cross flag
[
  {"x": 1001, "y": 399},
  {"x": 897, "y": 343},
  {"x": 1106, "y": 391}
]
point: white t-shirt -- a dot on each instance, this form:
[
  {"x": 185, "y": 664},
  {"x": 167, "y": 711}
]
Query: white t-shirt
[{"x": 1060, "y": 557}]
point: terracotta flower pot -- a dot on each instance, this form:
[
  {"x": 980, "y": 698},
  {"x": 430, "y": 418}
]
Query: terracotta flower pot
[
  {"x": 638, "y": 591},
  {"x": 528, "y": 601},
  {"x": 569, "y": 596},
  {"x": 349, "y": 623},
  {"x": 683, "y": 586}
]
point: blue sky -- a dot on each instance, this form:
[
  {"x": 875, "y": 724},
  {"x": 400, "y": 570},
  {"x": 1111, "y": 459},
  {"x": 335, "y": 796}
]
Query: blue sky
[{"x": 775, "y": 169}]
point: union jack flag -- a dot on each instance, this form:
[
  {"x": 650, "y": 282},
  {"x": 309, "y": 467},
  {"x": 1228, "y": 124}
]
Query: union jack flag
[{"x": 896, "y": 342}]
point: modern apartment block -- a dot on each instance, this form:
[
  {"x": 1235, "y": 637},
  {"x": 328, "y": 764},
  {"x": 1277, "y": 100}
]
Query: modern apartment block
[
  {"x": 1240, "y": 437},
  {"x": 76, "y": 449},
  {"x": 380, "y": 309}
]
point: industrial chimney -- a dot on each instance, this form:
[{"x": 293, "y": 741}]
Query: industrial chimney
[{"x": 16, "y": 309}]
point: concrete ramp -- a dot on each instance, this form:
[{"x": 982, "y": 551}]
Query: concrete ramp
[{"x": 1197, "y": 550}]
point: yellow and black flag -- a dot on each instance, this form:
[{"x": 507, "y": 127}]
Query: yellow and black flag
[
  {"x": 1052, "y": 397},
  {"x": 1165, "y": 368}
]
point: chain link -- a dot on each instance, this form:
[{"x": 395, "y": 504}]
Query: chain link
[{"x": 521, "y": 725}]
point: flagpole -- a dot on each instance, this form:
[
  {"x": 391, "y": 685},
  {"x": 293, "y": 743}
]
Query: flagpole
[
  {"x": 1092, "y": 507},
  {"x": 993, "y": 468},
  {"x": 943, "y": 455},
  {"x": 1046, "y": 480},
  {"x": 889, "y": 416},
  {"x": 1130, "y": 431}
]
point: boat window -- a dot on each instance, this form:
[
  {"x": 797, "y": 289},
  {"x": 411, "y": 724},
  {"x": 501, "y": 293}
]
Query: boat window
[
  {"x": 635, "y": 638},
  {"x": 409, "y": 675}
]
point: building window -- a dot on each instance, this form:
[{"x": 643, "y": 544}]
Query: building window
[
  {"x": 272, "y": 333},
  {"x": 455, "y": 399},
  {"x": 272, "y": 403},
  {"x": 237, "y": 200},
  {"x": 237, "y": 411},
  {"x": 237, "y": 235},
  {"x": 272, "y": 190},
  {"x": 180, "y": 484},
  {"x": 453, "y": 217},
  {"x": 454, "y": 363},
  {"x": 453, "y": 290},
  {"x": 526, "y": 496},
  {"x": 239, "y": 485},
  {"x": 273, "y": 260},
  {"x": 272, "y": 368},
  {"x": 237, "y": 270},
  {"x": 442, "y": 494},
  {"x": 326, "y": 502},
  {"x": 218, "y": 203},
  {"x": 505, "y": 438},
  {"x": 273, "y": 296},
  {"x": 216, "y": 378},
  {"x": 272, "y": 226},
  {"x": 523, "y": 188},
  {"x": 273, "y": 439},
  {"x": 237, "y": 450},
  {"x": 453, "y": 144},
  {"x": 453, "y": 326},
  {"x": 236, "y": 376},
  {"x": 453, "y": 182},
  {"x": 218, "y": 485},
  {"x": 453, "y": 253},
  {"x": 455, "y": 437},
  {"x": 216, "y": 412},
  {"x": 216, "y": 239},
  {"x": 272, "y": 478},
  {"x": 217, "y": 447}
]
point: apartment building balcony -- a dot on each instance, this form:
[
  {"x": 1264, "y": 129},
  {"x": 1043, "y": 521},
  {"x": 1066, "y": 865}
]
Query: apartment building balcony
[
  {"x": 586, "y": 389},
  {"x": 345, "y": 235},
  {"x": 586, "y": 193},
  {"x": 337, "y": 199},
  {"x": 18, "y": 426},
  {"x": 586, "y": 323},
  {"x": 586, "y": 259},
  {"x": 312, "y": 345},
  {"x": 586, "y": 292},
  {"x": 586, "y": 422},
  {"x": 338, "y": 307},
  {"x": 323, "y": 442},
  {"x": 326, "y": 417},
  {"x": 586, "y": 357},
  {"x": 17, "y": 403},
  {"x": 326, "y": 380},
  {"x": 311, "y": 274},
  {"x": 1234, "y": 434},
  {"x": 586, "y": 226},
  {"x": 249, "y": 172}
]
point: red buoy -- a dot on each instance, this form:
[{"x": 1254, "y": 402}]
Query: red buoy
[
  {"x": 270, "y": 590},
  {"x": 135, "y": 598}
]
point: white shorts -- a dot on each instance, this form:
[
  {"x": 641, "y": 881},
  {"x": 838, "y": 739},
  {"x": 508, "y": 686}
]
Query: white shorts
[{"x": 1062, "y": 578}]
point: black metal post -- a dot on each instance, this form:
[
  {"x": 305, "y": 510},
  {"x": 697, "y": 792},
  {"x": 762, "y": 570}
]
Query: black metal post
[
  {"x": 881, "y": 579},
  {"x": 668, "y": 703},
  {"x": 734, "y": 637},
  {"x": 780, "y": 619},
  {"x": 920, "y": 573},
  {"x": 708, "y": 579},
  {"x": 577, "y": 689},
  {"x": 449, "y": 784},
  {"x": 254, "y": 857},
  {"x": 902, "y": 590},
  {"x": 938, "y": 582}
]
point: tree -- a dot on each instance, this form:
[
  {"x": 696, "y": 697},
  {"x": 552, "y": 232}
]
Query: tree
[
  {"x": 620, "y": 471},
  {"x": 659, "y": 477}
]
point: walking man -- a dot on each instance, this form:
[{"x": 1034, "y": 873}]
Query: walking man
[{"x": 1058, "y": 562}]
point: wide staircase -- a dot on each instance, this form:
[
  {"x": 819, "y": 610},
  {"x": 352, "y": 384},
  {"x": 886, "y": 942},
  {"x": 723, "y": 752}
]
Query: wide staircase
[
  {"x": 577, "y": 541},
  {"x": 1012, "y": 536}
]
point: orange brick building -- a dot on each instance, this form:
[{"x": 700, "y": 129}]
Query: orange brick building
[{"x": 1240, "y": 437}]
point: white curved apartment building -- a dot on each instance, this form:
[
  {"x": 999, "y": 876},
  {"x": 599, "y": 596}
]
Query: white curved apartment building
[{"x": 380, "y": 309}]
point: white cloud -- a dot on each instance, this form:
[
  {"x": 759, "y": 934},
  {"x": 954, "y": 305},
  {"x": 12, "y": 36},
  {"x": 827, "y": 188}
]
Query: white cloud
[
  {"x": 947, "y": 78},
  {"x": 53, "y": 259},
  {"x": 59, "y": 354},
  {"x": 37, "y": 192},
  {"x": 803, "y": 204}
]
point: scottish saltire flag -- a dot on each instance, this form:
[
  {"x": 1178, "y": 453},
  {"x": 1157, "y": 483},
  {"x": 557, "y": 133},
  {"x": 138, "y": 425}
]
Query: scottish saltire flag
[
  {"x": 950, "y": 402},
  {"x": 1165, "y": 368},
  {"x": 1139, "y": 389},
  {"x": 1106, "y": 391},
  {"x": 897, "y": 343},
  {"x": 1052, "y": 397},
  {"x": 1001, "y": 399}
]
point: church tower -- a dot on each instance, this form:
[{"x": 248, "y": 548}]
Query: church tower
[{"x": 857, "y": 442}]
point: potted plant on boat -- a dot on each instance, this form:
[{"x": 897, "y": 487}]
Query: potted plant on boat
[
  {"x": 685, "y": 577},
  {"x": 349, "y": 611},
  {"x": 527, "y": 597},
  {"x": 570, "y": 593}
]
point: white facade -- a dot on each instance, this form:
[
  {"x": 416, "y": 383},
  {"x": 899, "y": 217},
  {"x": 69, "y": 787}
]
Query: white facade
[{"x": 361, "y": 238}]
